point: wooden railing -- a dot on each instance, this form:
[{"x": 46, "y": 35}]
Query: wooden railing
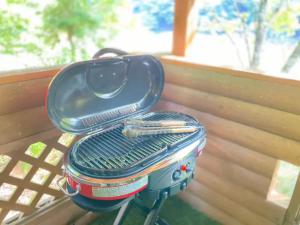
[
  {"x": 252, "y": 122},
  {"x": 31, "y": 149}
]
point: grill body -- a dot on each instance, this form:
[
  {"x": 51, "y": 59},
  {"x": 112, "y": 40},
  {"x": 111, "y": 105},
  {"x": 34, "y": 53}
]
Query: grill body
[{"x": 105, "y": 169}]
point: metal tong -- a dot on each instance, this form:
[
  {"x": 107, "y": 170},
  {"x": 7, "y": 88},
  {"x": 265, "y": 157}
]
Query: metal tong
[{"x": 136, "y": 128}]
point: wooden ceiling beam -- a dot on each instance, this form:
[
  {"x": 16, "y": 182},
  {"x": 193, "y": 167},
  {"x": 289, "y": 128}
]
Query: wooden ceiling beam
[{"x": 185, "y": 25}]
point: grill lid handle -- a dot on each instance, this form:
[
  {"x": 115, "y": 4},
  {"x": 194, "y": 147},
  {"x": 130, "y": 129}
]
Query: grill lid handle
[{"x": 104, "y": 51}]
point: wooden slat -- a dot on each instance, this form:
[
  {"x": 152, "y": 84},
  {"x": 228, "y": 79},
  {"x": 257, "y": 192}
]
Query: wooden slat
[
  {"x": 236, "y": 174},
  {"x": 218, "y": 147},
  {"x": 39, "y": 163},
  {"x": 3, "y": 213},
  {"x": 235, "y": 84},
  {"x": 14, "y": 198},
  {"x": 252, "y": 138},
  {"x": 185, "y": 62},
  {"x": 230, "y": 207},
  {"x": 185, "y": 25},
  {"x": 241, "y": 195},
  {"x": 208, "y": 209},
  {"x": 30, "y": 74},
  {"x": 22, "y": 95},
  {"x": 23, "y": 143},
  {"x": 29, "y": 185},
  {"x": 61, "y": 212},
  {"x": 23, "y": 124},
  {"x": 35, "y": 162},
  {"x": 264, "y": 118},
  {"x": 23, "y": 208},
  {"x": 44, "y": 189}
]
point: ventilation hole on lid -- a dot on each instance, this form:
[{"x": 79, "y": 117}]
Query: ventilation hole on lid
[
  {"x": 41, "y": 176},
  {"x": 35, "y": 150},
  {"x": 20, "y": 170}
]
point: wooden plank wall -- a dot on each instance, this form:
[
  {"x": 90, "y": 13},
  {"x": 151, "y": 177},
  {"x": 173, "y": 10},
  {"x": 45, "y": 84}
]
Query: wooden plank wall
[
  {"x": 24, "y": 121},
  {"x": 252, "y": 121}
]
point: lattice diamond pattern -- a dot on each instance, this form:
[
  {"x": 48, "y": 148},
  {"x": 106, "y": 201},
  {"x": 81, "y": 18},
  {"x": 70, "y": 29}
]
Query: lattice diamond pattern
[
  {"x": 26, "y": 197},
  {"x": 41, "y": 176},
  {"x": 66, "y": 139},
  {"x": 54, "y": 157},
  {"x": 7, "y": 191},
  {"x": 12, "y": 216},
  {"x": 53, "y": 184},
  {"x": 35, "y": 150},
  {"x": 44, "y": 200},
  {"x": 21, "y": 170},
  {"x": 4, "y": 160},
  {"x": 28, "y": 176}
]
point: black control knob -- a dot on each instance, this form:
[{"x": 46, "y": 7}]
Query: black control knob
[
  {"x": 176, "y": 175},
  {"x": 183, "y": 186},
  {"x": 188, "y": 167}
]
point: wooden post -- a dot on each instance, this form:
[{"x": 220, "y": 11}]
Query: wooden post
[
  {"x": 185, "y": 25},
  {"x": 292, "y": 216}
]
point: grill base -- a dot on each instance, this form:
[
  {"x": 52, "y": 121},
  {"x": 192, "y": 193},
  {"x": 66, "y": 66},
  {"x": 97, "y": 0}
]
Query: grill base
[
  {"x": 157, "y": 179},
  {"x": 149, "y": 201}
]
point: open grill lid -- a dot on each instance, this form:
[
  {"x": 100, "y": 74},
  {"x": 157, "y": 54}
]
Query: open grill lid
[{"x": 91, "y": 95}]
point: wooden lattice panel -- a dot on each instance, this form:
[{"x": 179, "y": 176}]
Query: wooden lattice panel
[{"x": 29, "y": 169}]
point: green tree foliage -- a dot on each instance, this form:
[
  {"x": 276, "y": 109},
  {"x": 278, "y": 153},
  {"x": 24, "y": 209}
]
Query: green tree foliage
[
  {"x": 13, "y": 27},
  {"x": 75, "y": 22},
  {"x": 288, "y": 21},
  {"x": 254, "y": 22}
]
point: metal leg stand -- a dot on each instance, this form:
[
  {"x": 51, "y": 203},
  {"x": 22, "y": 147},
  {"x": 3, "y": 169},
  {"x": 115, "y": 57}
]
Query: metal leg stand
[
  {"x": 123, "y": 212},
  {"x": 152, "y": 216}
]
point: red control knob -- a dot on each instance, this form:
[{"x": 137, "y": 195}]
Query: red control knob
[{"x": 183, "y": 167}]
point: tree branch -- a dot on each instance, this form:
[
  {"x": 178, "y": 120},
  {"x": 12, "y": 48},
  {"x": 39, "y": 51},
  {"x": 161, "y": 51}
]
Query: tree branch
[
  {"x": 259, "y": 34},
  {"x": 292, "y": 59},
  {"x": 245, "y": 33},
  {"x": 232, "y": 41}
]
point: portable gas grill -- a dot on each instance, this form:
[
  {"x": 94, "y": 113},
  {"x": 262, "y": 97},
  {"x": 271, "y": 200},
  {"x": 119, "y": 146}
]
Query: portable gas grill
[{"x": 106, "y": 170}]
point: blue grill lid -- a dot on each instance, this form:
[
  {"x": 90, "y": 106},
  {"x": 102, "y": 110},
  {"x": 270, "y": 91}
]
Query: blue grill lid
[{"x": 90, "y": 95}]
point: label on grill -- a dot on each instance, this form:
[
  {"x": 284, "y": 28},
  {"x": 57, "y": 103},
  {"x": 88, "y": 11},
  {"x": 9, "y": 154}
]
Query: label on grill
[{"x": 122, "y": 189}]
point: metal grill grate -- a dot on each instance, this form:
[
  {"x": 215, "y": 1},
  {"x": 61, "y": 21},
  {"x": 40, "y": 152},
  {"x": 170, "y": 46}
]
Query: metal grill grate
[{"x": 112, "y": 151}]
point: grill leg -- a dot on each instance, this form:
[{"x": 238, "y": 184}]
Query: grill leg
[
  {"x": 161, "y": 221},
  {"x": 123, "y": 212},
  {"x": 152, "y": 216}
]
